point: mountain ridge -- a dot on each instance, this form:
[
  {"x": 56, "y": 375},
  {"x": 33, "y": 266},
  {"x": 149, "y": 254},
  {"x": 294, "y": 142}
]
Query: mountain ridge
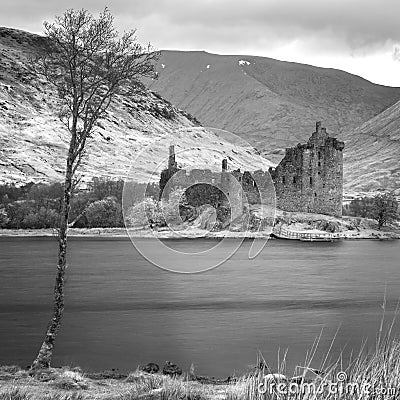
[
  {"x": 272, "y": 104},
  {"x": 278, "y": 60}
]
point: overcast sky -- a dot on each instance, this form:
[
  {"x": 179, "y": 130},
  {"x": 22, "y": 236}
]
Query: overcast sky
[{"x": 358, "y": 36}]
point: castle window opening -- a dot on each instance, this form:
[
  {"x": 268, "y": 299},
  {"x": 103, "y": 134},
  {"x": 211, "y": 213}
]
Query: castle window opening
[
  {"x": 310, "y": 180},
  {"x": 294, "y": 179}
]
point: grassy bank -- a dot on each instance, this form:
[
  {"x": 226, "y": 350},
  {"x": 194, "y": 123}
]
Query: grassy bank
[
  {"x": 373, "y": 375},
  {"x": 73, "y": 384}
]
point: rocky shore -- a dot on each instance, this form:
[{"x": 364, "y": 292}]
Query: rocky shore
[
  {"x": 148, "y": 234},
  {"x": 349, "y": 228}
]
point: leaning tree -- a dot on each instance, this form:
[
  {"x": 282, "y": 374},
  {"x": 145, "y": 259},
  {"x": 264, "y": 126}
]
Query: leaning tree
[{"x": 89, "y": 64}]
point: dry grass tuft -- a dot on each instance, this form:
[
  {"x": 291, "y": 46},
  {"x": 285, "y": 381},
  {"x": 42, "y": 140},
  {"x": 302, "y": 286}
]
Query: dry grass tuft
[
  {"x": 14, "y": 394},
  {"x": 174, "y": 389},
  {"x": 368, "y": 376},
  {"x": 68, "y": 379}
]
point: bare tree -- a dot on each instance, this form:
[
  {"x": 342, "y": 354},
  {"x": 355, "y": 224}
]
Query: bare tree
[{"x": 88, "y": 63}]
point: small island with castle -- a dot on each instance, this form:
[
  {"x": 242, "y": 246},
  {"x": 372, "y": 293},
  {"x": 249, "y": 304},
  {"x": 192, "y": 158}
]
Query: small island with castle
[{"x": 308, "y": 180}]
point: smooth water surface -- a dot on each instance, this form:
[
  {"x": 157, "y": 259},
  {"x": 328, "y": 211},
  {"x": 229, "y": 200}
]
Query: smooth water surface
[{"x": 122, "y": 311}]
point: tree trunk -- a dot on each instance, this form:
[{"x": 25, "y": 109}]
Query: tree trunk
[{"x": 44, "y": 356}]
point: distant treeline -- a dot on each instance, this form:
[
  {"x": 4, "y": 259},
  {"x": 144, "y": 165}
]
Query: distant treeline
[
  {"x": 35, "y": 206},
  {"x": 383, "y": 207}
]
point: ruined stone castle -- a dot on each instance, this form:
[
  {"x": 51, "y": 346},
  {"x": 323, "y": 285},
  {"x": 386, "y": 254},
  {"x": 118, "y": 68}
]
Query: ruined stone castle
[
  {"x": 310, "y": 176},
  {"x": 308, "y": 179}
]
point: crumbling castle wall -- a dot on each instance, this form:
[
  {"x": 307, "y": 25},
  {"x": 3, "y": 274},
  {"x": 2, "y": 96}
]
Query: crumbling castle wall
[{"x": 308, "y": 179}]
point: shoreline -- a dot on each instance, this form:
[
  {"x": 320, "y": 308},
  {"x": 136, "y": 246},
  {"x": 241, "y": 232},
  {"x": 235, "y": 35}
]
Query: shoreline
[
  {"x": 122, "y": 233},
  {"x": 154, "y": 382}
]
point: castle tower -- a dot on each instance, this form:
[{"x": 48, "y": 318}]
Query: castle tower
[
  {"x": 310, "y": 176},
  {"x": 320, "y": 134},
  {"x": 224, "y": 165},
  {"x": 171, "y": 160},
  {"x": 225, "y": 177},
  {"x": 169, "y": 172}
]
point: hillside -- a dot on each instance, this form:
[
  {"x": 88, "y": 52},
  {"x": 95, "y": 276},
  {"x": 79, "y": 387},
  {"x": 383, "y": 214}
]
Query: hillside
[
  {"x": 33, "y": 142},
  {"x": 272, "y": 104},
  {"x": 372, "y": 158}
]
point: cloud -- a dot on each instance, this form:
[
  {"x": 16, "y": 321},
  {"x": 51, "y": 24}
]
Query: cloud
[
  {"x": 356, "y": 24},
  {"x": 290, "y": 29}
]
